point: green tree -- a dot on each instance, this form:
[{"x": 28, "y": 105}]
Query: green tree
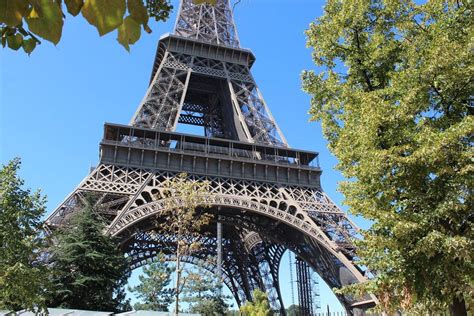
[
  {"x": 90, "y": 271},
  {"x": 182, "y": 219},
  {"x": 394, "y": 97},
  {"x": 294, "y": 310},
  {"x": 152, "y": 289},
  {"x": 24, "y": 22},
  {"x": 23, "y": 275},
  {"x": 204, "y": 293},
  {"x": 259, "y": 307}
]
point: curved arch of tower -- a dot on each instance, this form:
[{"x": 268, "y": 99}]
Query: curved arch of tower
[{"x": 265, "y": 195}]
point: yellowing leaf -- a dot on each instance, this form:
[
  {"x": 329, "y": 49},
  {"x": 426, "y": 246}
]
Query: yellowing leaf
[
  {"x": 29, "y": 45},
  {"x": 128, "y": 32},
  {"x": 46, "y": 20},
  {"x": 105, "y": 15},
  {"x": 15, "y": 41},
  {"x": 211, "y": 2},
  {"x": 13, "y": 11},
  {"x": 138, "y": 11},
  {"x": 74, "y": 6}
]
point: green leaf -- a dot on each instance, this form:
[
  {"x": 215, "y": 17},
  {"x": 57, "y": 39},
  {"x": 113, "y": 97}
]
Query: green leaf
[
  {"x": 13, "y": 11},
  {"x": 15, "y": 41},
  {"x": 105, "y": 15},
  {"x": 128, "y": 32},
  {"x": 29, "y": 45},
  {"x": 46, "y": 20},
  {"x": 74, "y": 6},
  {"x": 138, "y": 11}
]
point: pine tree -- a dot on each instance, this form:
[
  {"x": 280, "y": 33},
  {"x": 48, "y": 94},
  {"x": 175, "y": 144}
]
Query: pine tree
[
  {"x": 23, "y": 274},
  {"x": 152, "y": 289},
  {"x": 204, "y": 293},
  {"x": 90, "y": 271}
]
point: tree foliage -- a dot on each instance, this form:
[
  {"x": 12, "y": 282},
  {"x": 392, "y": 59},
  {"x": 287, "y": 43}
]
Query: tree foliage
[
  {"x": 182, "y": 219},
  {"x": 152, "y": 289},
  {"x": 23, "y": 276},
  {"x": 203, "y": 293},
  {"x": 90, "y": 271},
  {"x": 24, "y": 22},
  {"x": 259, "y": 306},
  {"x": 395, "y": 100},
  {"x": 294, "y": 310}
]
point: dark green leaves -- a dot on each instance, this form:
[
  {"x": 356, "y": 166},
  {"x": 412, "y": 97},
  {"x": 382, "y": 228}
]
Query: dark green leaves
[
  {"x": 15, "y": 41},
  {"x": 74, "y": 6},
  {"x": 90, "y": 270}
]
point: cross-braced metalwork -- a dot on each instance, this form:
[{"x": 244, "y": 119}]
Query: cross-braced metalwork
[{"x": 266, "y": 196}]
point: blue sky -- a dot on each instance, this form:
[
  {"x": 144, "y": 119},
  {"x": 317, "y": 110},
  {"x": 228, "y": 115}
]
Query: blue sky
[{"x": 53, "y": 104}]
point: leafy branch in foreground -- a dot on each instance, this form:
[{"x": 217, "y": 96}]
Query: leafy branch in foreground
[{"x": 24, "y": 22}]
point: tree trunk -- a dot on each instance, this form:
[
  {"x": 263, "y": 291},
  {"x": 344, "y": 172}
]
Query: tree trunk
[{"x": 458, "y": 307}]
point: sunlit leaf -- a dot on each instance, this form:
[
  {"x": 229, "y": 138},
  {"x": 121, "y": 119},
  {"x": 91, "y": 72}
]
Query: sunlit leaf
[
  {"x": 105, "y": 15},
  {"x": 46, "y": 20},
  {"x": 13, "y": 11},
  {"x": 128, "y": 32}
]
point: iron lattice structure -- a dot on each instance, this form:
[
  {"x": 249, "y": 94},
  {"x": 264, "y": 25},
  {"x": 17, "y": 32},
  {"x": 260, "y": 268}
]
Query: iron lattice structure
[{"x": 267, "y": 196}]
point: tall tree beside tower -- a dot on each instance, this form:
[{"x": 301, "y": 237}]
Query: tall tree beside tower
[
  {"x": 23, "y": 274},
  {"x": 90, "y": 271},
  {"x": 395, "y": 101}
]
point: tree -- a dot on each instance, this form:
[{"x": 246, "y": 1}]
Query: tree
[
  {"x": 23, "y": 274},
  {"x": 294, "y": 310},
  {"x": 259, "y": 307},
  {"x": 24, "y": 22},
  {"x": 204, "y": 293},
  {"x": 152, "y": 288},
  {"x": 90, "y": 271},
  {"x": 395, "y": 101},
  {"x": 181, "y": 219}
]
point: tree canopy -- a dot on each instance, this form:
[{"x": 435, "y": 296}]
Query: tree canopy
[
  {"x": 184, "y": 218},
  {"x": 90, "y": 271},
  {"x": 23, "y": 276},
  {"x": 152, "y": 289},
  {"x": 204, "y": 294},
  {"x": 24, "y": 22},
  {"x": 394, "y": 97},
  {"x": 259, "y": 306}
]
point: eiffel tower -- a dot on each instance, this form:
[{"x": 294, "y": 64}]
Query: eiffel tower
[{"x": 267, "y": 196}]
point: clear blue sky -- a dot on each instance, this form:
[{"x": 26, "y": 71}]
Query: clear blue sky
[{"x": 54, "y": 103}]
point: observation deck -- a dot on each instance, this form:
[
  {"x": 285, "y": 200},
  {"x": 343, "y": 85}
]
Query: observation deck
[{"x": 177, "y": 152}]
